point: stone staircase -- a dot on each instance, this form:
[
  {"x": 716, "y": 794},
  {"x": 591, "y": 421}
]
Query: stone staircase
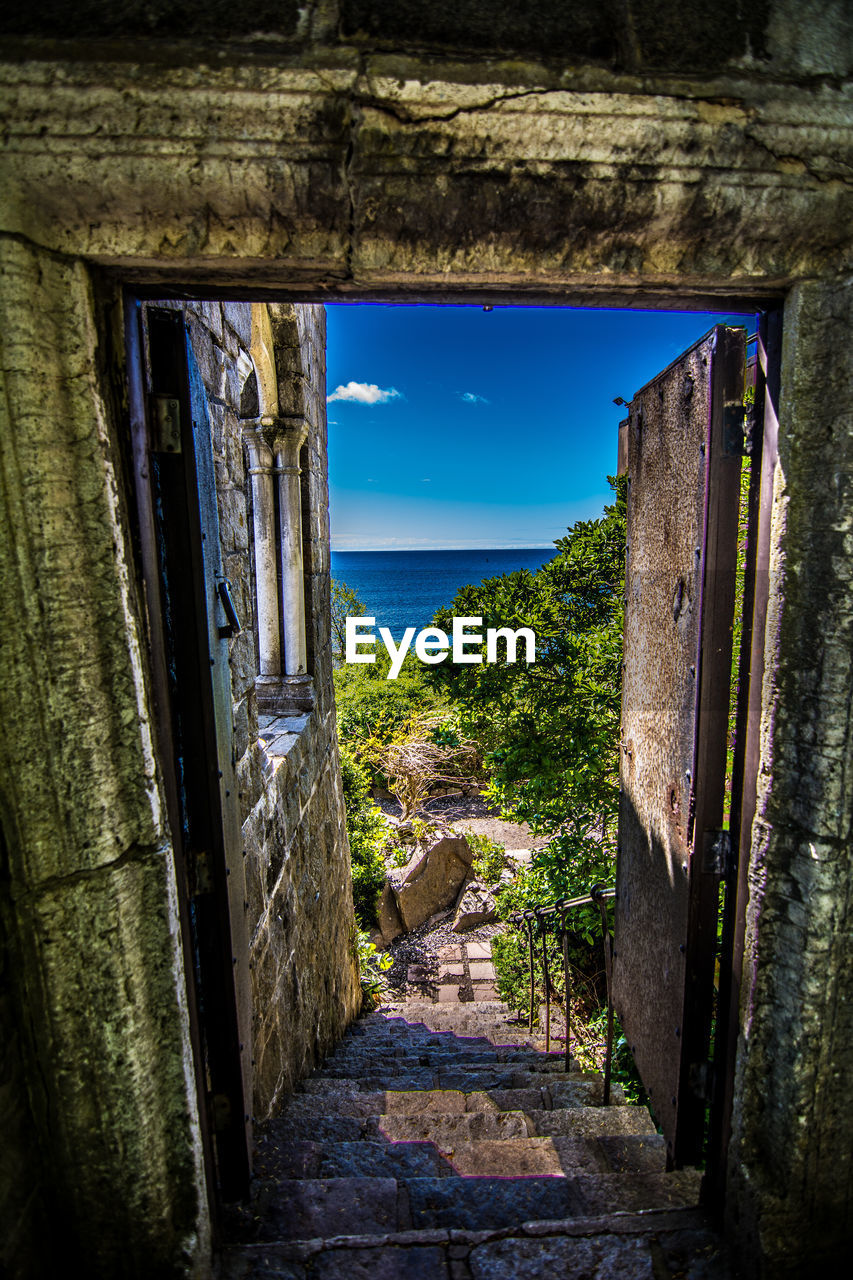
[{"x": 439, "y": 1142}]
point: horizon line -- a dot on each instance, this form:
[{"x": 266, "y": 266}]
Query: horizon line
[{"x": 516, "y": 546}]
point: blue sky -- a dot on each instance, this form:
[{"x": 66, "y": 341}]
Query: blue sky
[{"x": 451, "y": 426}]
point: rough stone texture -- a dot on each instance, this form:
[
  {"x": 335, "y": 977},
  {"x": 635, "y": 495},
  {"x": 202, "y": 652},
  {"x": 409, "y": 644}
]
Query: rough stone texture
[
  {"x": 792, "y": 1159},
  {"x": 98, "y": 1018},
  {"x": 384, "y": 171},
  {"x": 476, "y": 906},
  {"x": 464, "y": 1202},
  {"x": 662, "y": 34},
  {"x": 24, "y": 1218},
  {"x": 388, "y": 914}
]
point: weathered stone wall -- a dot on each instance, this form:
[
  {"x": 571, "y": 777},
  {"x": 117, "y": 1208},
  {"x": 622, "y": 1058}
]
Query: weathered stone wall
[
  {"x": 23, "y": 1215},
  {"x": 792, "y": 1159},
  {"x": 682, "y": 36},
  {"x": 298, "y": 887},
  {"x": 99, "y": 1020}
]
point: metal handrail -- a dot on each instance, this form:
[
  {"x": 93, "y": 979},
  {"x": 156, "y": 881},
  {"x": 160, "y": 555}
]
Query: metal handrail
[{"x": 597, "y": 896}]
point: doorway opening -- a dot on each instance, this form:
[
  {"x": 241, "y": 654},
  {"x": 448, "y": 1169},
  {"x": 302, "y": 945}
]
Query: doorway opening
[{"x": 235, "y": 895}]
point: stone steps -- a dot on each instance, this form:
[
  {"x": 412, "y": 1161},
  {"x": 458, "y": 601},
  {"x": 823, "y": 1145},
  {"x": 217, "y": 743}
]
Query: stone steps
[
  {"x": 484, "y": 1157},
  {"x": 302, "y": 1208},
  {"x": 655, "y": 1243},
  {"x": 440, "y": 1143}
]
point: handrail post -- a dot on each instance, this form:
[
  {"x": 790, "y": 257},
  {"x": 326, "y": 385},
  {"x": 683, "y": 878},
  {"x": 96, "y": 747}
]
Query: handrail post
[
  {"x": 567, "y": 986},
  {"x": 538, "y": 912},
  {"x": 529, "y": 922},
  {"x": 597, "y": 895}
]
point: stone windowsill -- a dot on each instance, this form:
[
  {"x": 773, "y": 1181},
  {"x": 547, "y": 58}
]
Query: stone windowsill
[{"x": 277, "y": 734}]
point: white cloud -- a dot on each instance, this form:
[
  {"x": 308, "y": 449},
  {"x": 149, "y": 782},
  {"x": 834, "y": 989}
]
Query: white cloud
[
  {"x": 364, "y": 393},
  {"x": 470, "y": 397}
]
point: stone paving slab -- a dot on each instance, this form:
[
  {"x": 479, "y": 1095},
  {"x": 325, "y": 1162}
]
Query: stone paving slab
[
  {"x": 509, "y": 1158},
  {"x": 323, "y": 1128},
  {"x": 470, "y": 1081},
  {"x": 297, "y": 1209},
  {"x": 631, "y": 1152},
  {"x": 491, "y": 1202},
  {"x": 507, "y": 1100},
  {"x": 448, "y": 994},
  {"x": 591, "y": 1259},
  {"x": 446, "y": 1131},
  {"x": 437, "y": 1133},
  {"x": 400, "y": 1160},
  {"x": 433, "y": 1101},
  {"x": 590, "y": 1122}
]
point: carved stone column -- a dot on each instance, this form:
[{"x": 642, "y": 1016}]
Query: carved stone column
[
  {"x": 288, "y": 441},
  {"x": 261, "y": 469}
]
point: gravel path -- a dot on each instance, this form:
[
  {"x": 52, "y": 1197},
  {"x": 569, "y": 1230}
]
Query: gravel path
[{"x": 471, "y": 813}]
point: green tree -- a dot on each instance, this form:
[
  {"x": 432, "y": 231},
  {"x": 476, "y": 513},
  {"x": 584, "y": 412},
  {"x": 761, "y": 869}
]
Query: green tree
[
  {"x": 550, "y": 729},
  {"x": 345, "y": 603}
]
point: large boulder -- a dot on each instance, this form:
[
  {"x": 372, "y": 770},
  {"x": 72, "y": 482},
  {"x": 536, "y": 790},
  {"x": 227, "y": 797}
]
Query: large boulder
[
  {"x": 476, "y": 906},
  {"x": 388, "y": 913},
  {"x": 431, "y": 880}
]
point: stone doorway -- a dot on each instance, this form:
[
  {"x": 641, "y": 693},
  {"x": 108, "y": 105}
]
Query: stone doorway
[{"x": 693, "y": 169}]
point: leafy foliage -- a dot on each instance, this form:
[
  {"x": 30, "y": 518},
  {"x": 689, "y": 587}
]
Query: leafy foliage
[
  {"x": 489, "y": 857},
  {"x": 372, "y": 709},
  {"x": 551, "y": 732},
  {"x": 372, "y": 966},
  {"x": 550, "y": 729},
  {"x": 345, "y": 603},
  {"x": 413, "y": 761},
  {"x": 366, "y": 831}
]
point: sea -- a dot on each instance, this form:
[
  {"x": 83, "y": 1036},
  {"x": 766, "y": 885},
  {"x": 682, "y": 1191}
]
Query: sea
[{"x": 405, "y": 588}]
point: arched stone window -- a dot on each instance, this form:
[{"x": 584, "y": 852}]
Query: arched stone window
[{"x": 274, "y": 439}]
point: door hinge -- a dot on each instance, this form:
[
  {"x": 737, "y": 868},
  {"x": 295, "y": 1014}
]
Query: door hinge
[
  {"x": 734, "y": 437},
  {"x": 166, "y": 424},
  {"x": 718, "y": 854}
]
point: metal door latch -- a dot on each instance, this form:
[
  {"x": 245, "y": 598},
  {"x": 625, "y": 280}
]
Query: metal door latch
[{"x": 233, "y": 626}]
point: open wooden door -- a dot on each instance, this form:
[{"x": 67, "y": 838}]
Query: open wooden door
[
  {"x": 684, "y": 448},
  {"x": 190, "y": 619}
]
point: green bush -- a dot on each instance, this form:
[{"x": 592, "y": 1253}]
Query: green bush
[
  {"x": 489, "y": 857},
  {"x": 370, "y": 706},
  {"x": 372, "y": 966},
  {"x": 367, "y": 836},
  {"x": 566, "y": 867}
]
